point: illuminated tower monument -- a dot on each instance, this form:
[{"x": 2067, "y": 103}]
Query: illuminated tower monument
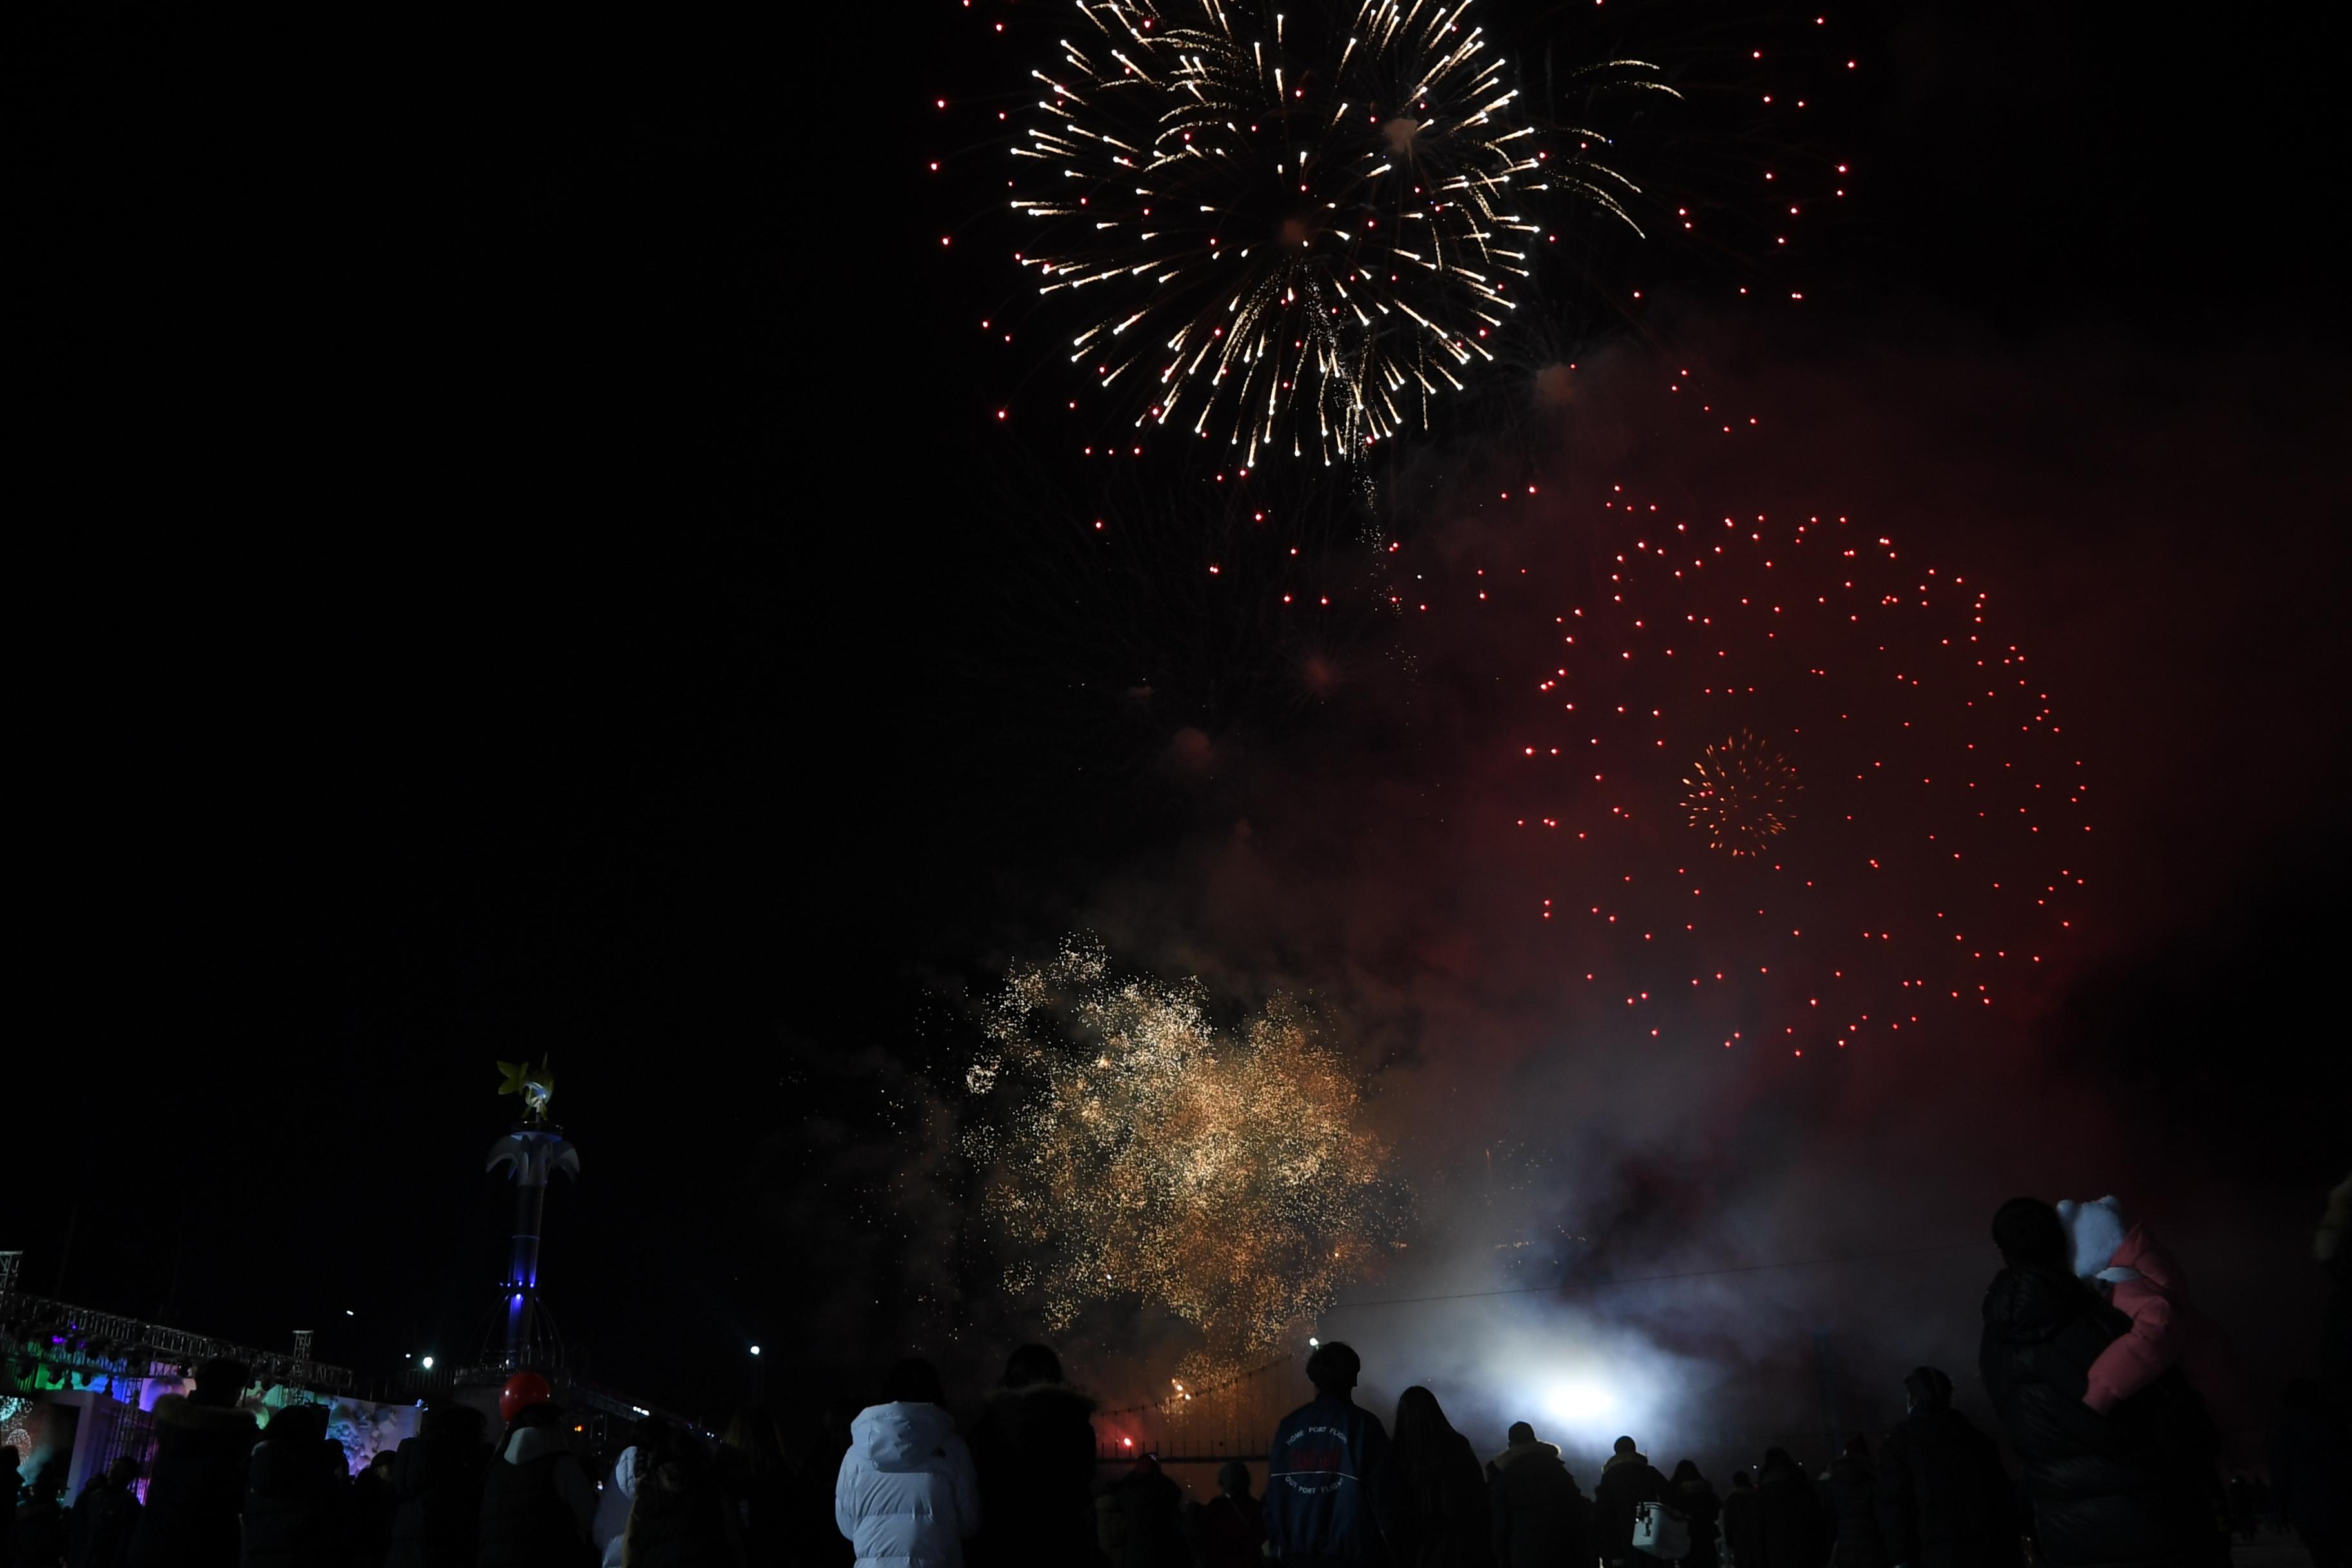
[{"x": 534, "y": 1149}]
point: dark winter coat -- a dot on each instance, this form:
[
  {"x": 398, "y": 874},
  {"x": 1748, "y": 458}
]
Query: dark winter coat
[
  {"x": 1944, "y": 1500},
  {"x": 2130, "y": 1486},
  {"x": 1326, "y": 1456},
  {"x": 372, "y": 1506},
  {"x": 1233, "y": 1533},
  {"x": 1033, "y": 1451},
  {"x": 104, "y": 1521},
  {"x": 1627, "y": 1480},
  {"x": 532, "y": 1515},
  {"x": 1150, "y": 1520},
  {"x": 681, "y": 1519},
  {"x": 436, "y": 1491},
  {"x": 1792, "y": 1525},
  {"x": 1854, "y": 1513},
  {"x": 1540, "y": 1518},
  {"x": 2311, "y": 1468},
  {"x": 1696, "y": 1503},
  {"x": 1743, "y": 1526},
  {"x": 438, "y": 1498},
  {"x": 298, "y": 1504},
  {"x": 1432, "y": 1507},
  {"x": 196, "y": 1486},
  {"x": 39, "y": 1536}
]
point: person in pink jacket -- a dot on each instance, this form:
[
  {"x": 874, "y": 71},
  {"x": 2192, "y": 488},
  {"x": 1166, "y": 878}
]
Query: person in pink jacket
[{"x": 2138, "y": 1274}]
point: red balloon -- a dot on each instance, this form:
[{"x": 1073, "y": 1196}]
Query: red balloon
[{"x": 522, "y": 1391}]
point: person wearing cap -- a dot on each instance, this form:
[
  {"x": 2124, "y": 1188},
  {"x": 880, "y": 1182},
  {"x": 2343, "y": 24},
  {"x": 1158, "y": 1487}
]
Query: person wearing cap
[
  {"x": 1326, "y": 1459},
  {"x": 1944, "y": 1500},
  {"x": 537, "y": 1502}
]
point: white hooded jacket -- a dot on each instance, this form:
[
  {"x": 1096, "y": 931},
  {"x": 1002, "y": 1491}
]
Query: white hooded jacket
[{"x": 906, "y": 1496}]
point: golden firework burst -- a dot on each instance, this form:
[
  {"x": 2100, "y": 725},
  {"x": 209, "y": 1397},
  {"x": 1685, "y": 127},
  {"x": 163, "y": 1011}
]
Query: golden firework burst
[
  {"x": 1226, "y": 1177},
  {"x": 1740, "y": 794}
]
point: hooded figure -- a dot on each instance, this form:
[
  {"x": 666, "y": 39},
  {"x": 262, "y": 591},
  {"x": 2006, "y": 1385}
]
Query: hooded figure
[
  {"x": 680, "y": 1516},
  {"x": 1627, "y": 1481},
  {"x": 1694, "y": 1497},
  {"x": 1325, "y": 1464},
  {"x": 1944, "y": 1500},
  {"x": 2135, "y": 1485},
  {"x": 437, "y": 1491},
  {"x": 1854, "y": 1503},
  {"x": 907, "y": 1495},
  {"x": 1743, "y": 1526},
  {"x": 2126, "y": 1263},
  {"x": 608, "y": 1530},
  {"x": 1033, "y": 1451},
  {"x": 105, "y": 1517},
  {"x": 196, "y": 1486},
  {"x": 1431, "y": 1495},
  {"x": 1150, "y": 1529},
  {"x": 1792, "y": 1530},
  {"x": 1540, "y": 1519},
  {"x": 297, "y": 1496},
  {"x": 537, "y": 1502}
]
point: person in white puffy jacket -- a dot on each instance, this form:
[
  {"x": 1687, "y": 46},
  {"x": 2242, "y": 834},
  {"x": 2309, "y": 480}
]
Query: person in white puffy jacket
[{"x": 906, "y": 1496}]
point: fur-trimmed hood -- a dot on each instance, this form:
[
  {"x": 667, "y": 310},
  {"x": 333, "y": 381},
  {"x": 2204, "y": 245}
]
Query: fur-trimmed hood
[{"x": 1519, "y": 1451}]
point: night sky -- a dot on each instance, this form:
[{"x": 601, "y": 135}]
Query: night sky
[{"x": 517, "y": 557}]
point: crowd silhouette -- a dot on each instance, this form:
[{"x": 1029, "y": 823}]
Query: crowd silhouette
[{"x": 2124, "y": 1438}]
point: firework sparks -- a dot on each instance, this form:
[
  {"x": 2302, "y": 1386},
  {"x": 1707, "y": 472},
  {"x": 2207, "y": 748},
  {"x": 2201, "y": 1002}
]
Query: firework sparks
[
  {"x": 1939, "y": 863},
  {"x": 1305, "y": 227},
  {"x": 1740, "y": 794},
  {"x": 1149, "y": 1156}
]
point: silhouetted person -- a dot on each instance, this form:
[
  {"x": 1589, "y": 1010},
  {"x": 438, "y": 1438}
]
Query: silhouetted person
[
  {"x": 12, "y": 1485},
  {"x": 1233, "y": 1525},
  {"x": 2311, "y": 1471},
  {"x": 372, "y": 1506},
  {"x": 1743, "y": 1526},
  {"x": 105, "y": 1517},
  {"x": 2135, "y": 1485},
  {"x": 1854, "y": 1508},
  {"x": 39, "y": 1531},
  {"x": 1431, "y": 1498},
  {"x": 537, "y": 1500},
  {"x": 196, "y": 1486},
  {"x": 906, "y": 1492},
  {"x": 437, "y": 1491},
  {"x": 1538, "y": 1517},
  {"x": 761, "y": 1476},
  {"x": 1627, "y": 1481},
  {"x": 1149, "y": 1527},
  {"x": 1692, "y": 1495},
  {"x": 1326, "y": 1461},
  {"x": 1791, "y": 1526},
  {"x": 682, "y": 1516},
  {"x": 1033, "y": 1451},
  {"x": 1944, "y": 1500},
  {"x": 815, "y": 1534},
  {"x": 297, "y": 1495}
]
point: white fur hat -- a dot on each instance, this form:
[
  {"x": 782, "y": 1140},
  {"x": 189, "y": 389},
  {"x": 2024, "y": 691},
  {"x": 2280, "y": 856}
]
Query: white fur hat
[{"x": 2094, "y": 1229}]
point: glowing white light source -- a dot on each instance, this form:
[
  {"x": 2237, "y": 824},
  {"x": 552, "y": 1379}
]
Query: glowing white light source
[
  {"x": 427, "y": 1363},
  {"x": 1576, "y": 1402},
  {"x": 755, "y": 1349},
  {"x": 1313, "y": 1343}
]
